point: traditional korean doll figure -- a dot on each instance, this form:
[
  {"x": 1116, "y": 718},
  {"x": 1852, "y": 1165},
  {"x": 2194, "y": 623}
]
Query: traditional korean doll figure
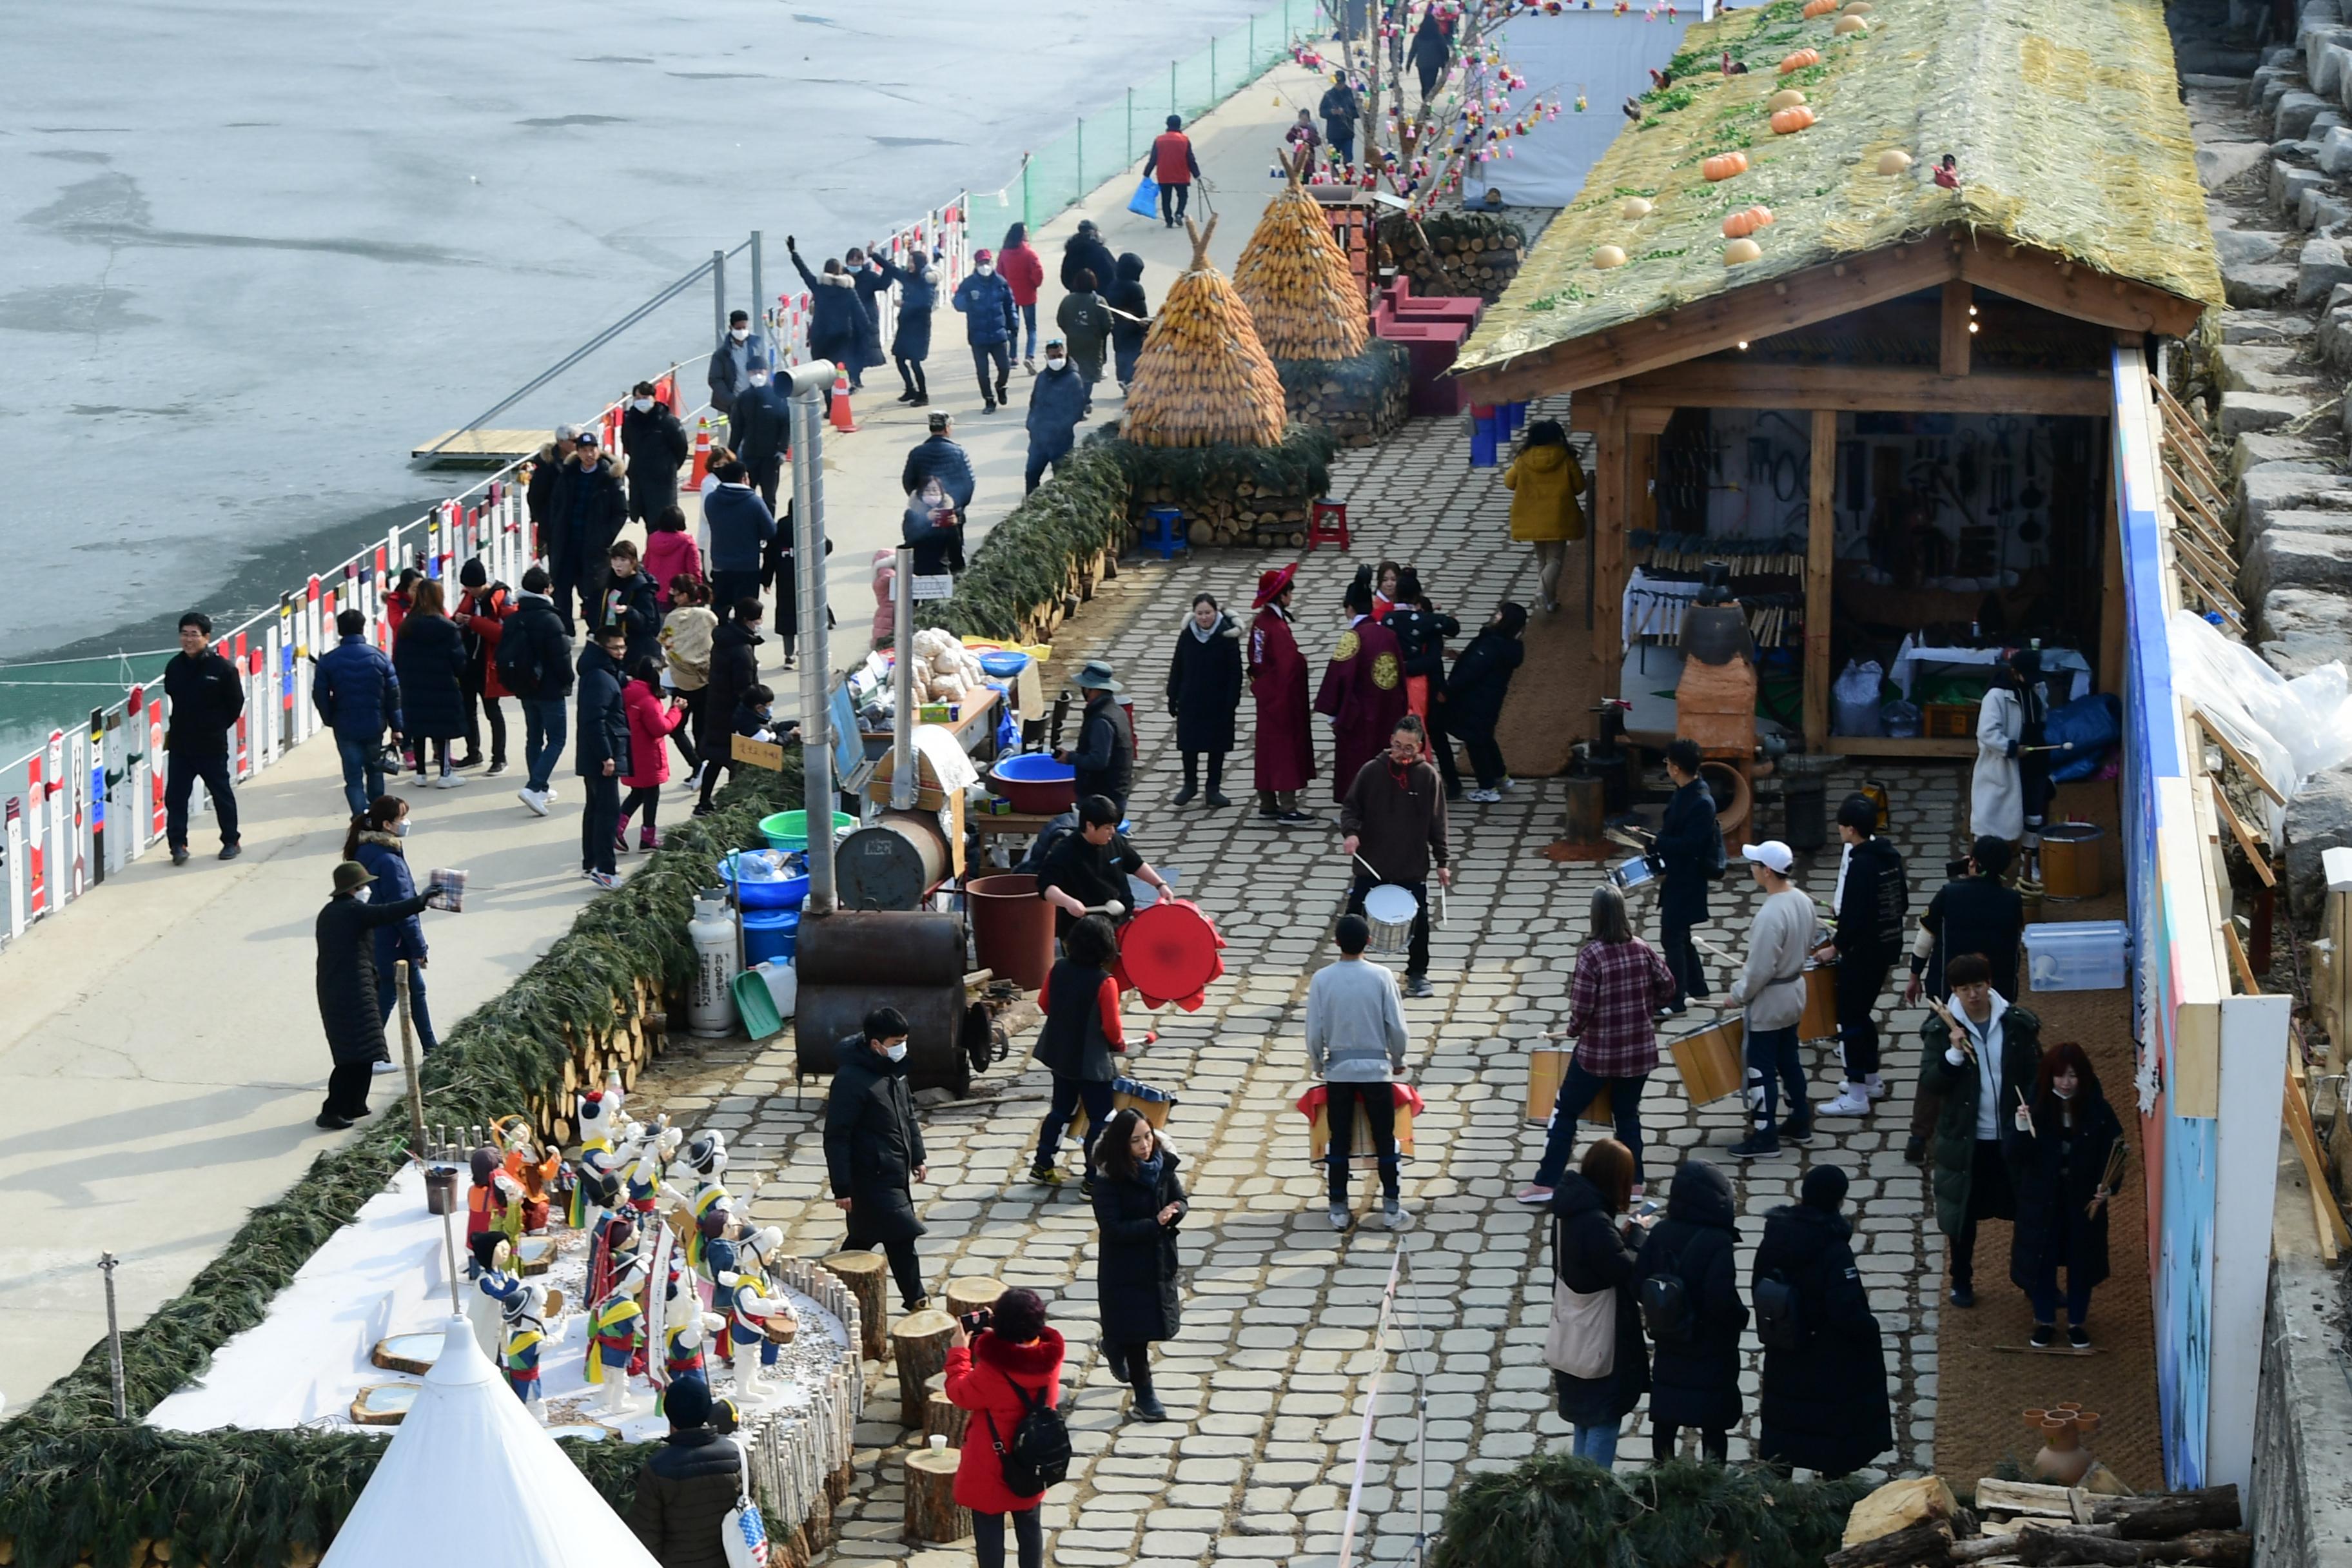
[
  {"x": 600, "y": 1121},
  {"x": 527, "y": 1336},
  {"x": 616, "y": 1327},
  {"x": 644, "y": 1155},
  {"x": 703, "y": 1162},
  {"x": 534, "y": 1167},
  {"x": 743, "y": 1296},
  {"x": 493, "y": 1210},
  {"x": 687, "y": 1332},
  {"x": 614, "y": 1240},
  {"x": 486, "y": 1307}
]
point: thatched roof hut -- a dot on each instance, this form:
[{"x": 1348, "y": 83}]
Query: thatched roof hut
[
  {"x": 1294, "y": 279},
  {"x": 1203, "y": 378}
]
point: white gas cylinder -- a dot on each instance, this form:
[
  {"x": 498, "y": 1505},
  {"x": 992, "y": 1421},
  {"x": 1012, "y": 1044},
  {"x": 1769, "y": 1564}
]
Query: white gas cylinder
[{"x": 710, "y": 1006}]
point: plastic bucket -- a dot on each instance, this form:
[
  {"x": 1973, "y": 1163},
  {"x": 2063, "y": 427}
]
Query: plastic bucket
[
  {"x": 770, "y": 933},
  {"x": 1012, "y": 928},
  {"x": 789, "y": 829},
  {"x": 776, "y": 893},
  {"x": 1036, "y": 784}
]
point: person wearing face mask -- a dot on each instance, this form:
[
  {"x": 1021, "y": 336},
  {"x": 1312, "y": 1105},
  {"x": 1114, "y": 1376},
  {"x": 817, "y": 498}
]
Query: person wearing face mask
[
  {"x": 1086, "y": 324},
  {"x": 941, "y": 456},
  {"x": 837, "y": 323},
  {"x": 874, "y": 1149},
  {"x": 910, "y": 345},
  {"x": 1205, "y": 690},
  {"x": 1026, "y": 273},
  {"x": 1981, "y": 1056},
  {"x": 1058, "y": 401},
  {"x": 762, "y": 428},
  {"x": 589, "y": 510},
  {"x": 989, "y": 321},
  {"x": 863, "y": 270},
  {"x": 378, "y": 840},
  {"x": 1393, "y": 822},
  {"x": 738, "y": 353},
  {"x": 2062, "y": 1149},
  {"x": 656, "y": 444}
]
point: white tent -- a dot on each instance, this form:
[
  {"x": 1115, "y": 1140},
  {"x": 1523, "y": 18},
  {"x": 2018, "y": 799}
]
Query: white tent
[{"x": 471, "y": 1477}]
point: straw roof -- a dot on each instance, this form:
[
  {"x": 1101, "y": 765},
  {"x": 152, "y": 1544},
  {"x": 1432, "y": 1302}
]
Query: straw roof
[
  {"x": 2065, "y": 121},
  {"x": 1295, "y": 278},
  {"x": 1203, "y": 377}
]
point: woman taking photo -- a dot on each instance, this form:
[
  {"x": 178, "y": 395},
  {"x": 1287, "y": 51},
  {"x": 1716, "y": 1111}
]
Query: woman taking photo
[
  {"x": 1205, "y": 690},
  {"x": 2065, "y": 1155},
  {"x": 1138, "y": 1202},
  {"x": 428, "y": 654},
  {"x": 377, "y": 840},
  {"x": 1012, "y": 1366},
  {"x": 1594, "y": 1247},
  {"x": 1620, "y": 982}
]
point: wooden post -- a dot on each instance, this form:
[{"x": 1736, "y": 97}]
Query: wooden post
[
  {"x": 2113, "y": 604},
  {"x": 920, "y": 1343},
  {"x": 862, "y": 1273},
  {"x": 942, "y": 1415},
  {"x": 1820, "y": 561},
  {"x": 1960, "y": 302},
  {"x": 1609, "y": 523},
  {"x": 931, "y": 1510},
  {"x": 971, "y": 1293}
]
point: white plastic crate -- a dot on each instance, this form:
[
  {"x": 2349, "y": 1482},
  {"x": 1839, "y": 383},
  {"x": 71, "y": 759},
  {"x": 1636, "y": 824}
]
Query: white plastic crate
[{"x": 2077, "y": 956}]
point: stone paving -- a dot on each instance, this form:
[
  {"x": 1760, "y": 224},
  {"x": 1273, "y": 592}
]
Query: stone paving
[{"x": 1265, "y": 1381}]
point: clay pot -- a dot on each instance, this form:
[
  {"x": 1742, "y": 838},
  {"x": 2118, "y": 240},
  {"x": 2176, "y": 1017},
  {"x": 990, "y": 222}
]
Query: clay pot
[{"x": 2064, "y": 1459}]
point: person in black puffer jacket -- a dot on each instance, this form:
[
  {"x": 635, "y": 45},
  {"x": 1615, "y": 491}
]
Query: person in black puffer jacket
[
  {"x": 874, "y": 1151},
  {"x": 687, "y": 1489},
  {"x": 1085, "y": 252},
  {"x": 1133, "y": 323},
  {"x": 1591, "y": 1251},
  {"x": 656, "y": 444},
  {"x": 1824, "y": 1400},
  {"x": 430, "y": 654},
  {"x": 1138, "y": 1202},
  {"x": 1475, "y": 693},
  {"x": 734, "y": 670},
  {"x": 1420, "y": 633},
  {"x": 1694, "y": 1377}
]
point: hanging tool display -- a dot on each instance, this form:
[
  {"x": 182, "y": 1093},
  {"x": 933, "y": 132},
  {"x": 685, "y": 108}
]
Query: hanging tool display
[{"x": 1782, "y": 555}]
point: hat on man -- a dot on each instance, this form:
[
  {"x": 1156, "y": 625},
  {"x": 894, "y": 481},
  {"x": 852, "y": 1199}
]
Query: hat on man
[
  {"x": 1096, "y": 677},
  {"x": 351, "y": 877},
  {"x": 983, "y": 256},
  {"x": 588, "y": 438},
  {"x": 1271, "y": 583},
  {"x": 1823, "y": 1188},
  {"x": 1772, "y": 852},
  {"x": 687, "y": 1402},
  {"x": 473, "y": 574}
]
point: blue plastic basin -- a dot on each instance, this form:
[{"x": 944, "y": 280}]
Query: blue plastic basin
[
  {"x": 770, "y": 933},
  {"x": 777, "y": 893}
]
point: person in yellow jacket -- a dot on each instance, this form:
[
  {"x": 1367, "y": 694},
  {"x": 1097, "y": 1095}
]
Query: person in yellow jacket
[{"x": 1545, "y": 479}]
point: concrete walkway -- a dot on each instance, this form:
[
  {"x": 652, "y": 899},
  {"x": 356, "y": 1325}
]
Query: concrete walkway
[{"x": 160, "y": 1050}]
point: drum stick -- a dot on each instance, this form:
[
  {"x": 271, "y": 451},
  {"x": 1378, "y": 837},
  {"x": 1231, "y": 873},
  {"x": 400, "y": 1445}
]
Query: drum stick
[
  {"x": 1367, "y": 865},
  {"x": 2029, "y": 1114},
  {"x": 2061, "y": 746}
]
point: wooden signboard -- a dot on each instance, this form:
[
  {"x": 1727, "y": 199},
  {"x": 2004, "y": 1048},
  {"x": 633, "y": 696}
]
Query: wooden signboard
[{"x": 759, "y": 754}]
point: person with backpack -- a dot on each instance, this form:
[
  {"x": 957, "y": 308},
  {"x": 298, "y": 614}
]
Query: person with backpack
[
  {"x": 1687, "y": 854},
  {"x": 1823, "y": 1403},
  {"x": 534, "y": 662},
  {"x": 1874, "y": 895},
  {"x": 687, "y": 1485},
  {"x": 1687, "y": 1285},
  {"x": 1980, "y": 1059},
  {"x": 1600, "y": 1364},
  {"x": 1008, "y": 1373},
  {"x": 1138, "y": 1202},
  {"x": 1770, "y": 993}
]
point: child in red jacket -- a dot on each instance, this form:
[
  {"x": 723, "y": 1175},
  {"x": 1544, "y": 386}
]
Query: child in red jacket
[
  {"x": 650, "y": 726},
  {"x": 1012, "y": 1365}
]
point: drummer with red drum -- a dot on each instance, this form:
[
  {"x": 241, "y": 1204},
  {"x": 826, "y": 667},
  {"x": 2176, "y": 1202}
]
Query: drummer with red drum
[
  {"x": 1393, "y": 815},
  {"x": 1087, "y": 872}
]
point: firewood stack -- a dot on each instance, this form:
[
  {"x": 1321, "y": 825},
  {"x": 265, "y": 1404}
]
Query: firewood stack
[
  {"x": 2023, "y": 1522},
  {"x": 1443, "y": 258},
  {"x": 1250, "y": 515}
]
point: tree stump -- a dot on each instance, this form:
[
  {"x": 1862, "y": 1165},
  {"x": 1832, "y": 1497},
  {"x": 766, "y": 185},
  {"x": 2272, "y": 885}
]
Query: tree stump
[
  {"x": 971, "y": 1293},
  {"x": 921, "y": 1341},
  {"x": 864, "y": 1274},
  {"x": 942, "y": 1415},
  {"x": 931, "y": 1510}
]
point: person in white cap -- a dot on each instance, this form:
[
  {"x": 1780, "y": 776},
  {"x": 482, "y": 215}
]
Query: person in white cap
[{"x": 1771, "y": 991}]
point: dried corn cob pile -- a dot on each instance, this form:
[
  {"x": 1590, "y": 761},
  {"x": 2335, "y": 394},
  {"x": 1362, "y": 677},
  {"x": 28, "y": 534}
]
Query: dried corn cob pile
[
  {"x": 1203, "y": 377},
  {"x": 1296, "y": 282}
]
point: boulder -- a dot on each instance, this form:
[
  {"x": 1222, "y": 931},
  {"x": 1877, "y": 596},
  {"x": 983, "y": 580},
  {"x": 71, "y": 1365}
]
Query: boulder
[
  {"x": 2265, "y": 326},
  {"x": 2288, "y": 182},
  {"x": 2335, "y": 337},
  {"x": 2257, "y": 287},
  {"x": 2321, "y": 209},
  {"x": 2256, "y": 447},
  {"x": 2298, "y": 629},
  {"x": 2297, "y": 550},
  {"x": 2233, "y": 88},
  {"x": 2244, "y": 411},
  {"x": 2296, "y": 110},
  {"x": 2319, "y": 818},
  {"x": 2322, "y": 267},
  {"x": 2219, "y": 163},
  {"x": 2253, "y": 367},
  {"x": 2247, "y": 247},
  {"x": 2268, "y": 490}
]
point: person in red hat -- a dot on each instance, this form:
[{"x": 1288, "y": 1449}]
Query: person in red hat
[
  {"x": 1363, "y": 690},
  {"x": 1278, "y": 680}
]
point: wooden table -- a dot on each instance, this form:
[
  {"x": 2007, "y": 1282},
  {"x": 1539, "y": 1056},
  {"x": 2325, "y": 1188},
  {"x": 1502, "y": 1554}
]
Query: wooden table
[{"x": 974, "y": 729}]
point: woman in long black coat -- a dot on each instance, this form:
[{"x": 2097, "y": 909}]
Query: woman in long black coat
[
  {"x": 1204, "y": 689},
  {"x": 1474, "y": 692},
  {"x": 347, "y": 1008},
  {"x": 1823, "y": 1404},
  {"x": 428, "y": 653},
  {"x": 2057, "y": 1172},
  {"x": 1133, "y": 323},
  {"x": 1138, "y": 1202},
  {"x": 656, "y": 444},
  {"x": 1694, "y": 1378},
  {"x": 1590, "y": 1252}
]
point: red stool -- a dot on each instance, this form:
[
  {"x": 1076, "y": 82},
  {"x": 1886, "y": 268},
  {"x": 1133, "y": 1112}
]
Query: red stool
[{"x": 1327, "y": 524}]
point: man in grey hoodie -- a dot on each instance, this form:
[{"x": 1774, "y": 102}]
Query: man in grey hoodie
[
  {"x": 1356, "y": 1040},
  {"x": 1772, "y": 992}
]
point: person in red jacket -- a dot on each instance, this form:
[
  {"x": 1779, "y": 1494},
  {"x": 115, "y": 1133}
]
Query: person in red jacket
[
  {"x": 1173, "y": 166},
  {"x": 1024, "y": 272},
  {"x": 1012, "y": 1366},
  {"x": 650, "y": 726},
  {"x": 481, "y": 614}
]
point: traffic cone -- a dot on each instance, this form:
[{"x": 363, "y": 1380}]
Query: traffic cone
[
  {"x": 701, "y": 455},
  {"x": 842, "y": 420}
]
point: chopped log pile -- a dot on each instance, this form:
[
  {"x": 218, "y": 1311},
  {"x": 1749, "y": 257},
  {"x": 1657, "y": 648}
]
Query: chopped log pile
[
  {"x": 1455, "y": 252},
  {"x": 2032, "y": 1525},
  {"x": 1249, "y": 515}
]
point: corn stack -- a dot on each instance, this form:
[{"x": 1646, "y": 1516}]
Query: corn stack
[
  {"x": 1301, "y": 296},
  {"x": 1203, "y": 377}
]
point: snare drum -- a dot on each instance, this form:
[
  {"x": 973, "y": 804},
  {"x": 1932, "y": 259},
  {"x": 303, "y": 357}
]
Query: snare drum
[
  {"x": 1633, "y": 877},
  {"x": 1821, "y": 1019},
  {"x": 1389, "y": 910},
  {"x": 1710, "y": 1062}
]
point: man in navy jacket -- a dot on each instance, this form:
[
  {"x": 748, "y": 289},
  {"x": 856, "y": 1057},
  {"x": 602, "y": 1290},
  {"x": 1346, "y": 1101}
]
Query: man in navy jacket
[{"x": 358, "y": 696}]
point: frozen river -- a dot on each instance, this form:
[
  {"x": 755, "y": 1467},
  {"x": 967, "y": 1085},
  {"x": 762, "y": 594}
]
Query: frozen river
[{"x": 256, "y": 253}]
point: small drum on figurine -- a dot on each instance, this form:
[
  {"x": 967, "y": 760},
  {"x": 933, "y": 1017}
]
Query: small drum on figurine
[
  {"x": 1390, "y": 909},
  {"x": 780, "y": 1328}
]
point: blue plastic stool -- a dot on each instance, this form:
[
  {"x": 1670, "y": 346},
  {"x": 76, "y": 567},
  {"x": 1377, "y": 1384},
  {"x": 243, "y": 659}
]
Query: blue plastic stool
[{"x": 1163, "y": 532}]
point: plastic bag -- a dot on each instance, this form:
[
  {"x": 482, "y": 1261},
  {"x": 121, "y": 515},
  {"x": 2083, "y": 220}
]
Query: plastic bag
[
  {"x": 1145, "y": 201},
  {"x": 2291, "y": 729},
  {"x": 1853, "y": 700},
  {"x": 1901, "y": 719},
  {"x": 2092, "y": 724}
]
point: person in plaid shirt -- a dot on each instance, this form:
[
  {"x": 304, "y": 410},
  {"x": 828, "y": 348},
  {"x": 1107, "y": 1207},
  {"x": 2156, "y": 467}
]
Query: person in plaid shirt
[{"x": 1620, "y": 982}]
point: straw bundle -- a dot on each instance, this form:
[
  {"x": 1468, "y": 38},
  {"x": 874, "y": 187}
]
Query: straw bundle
[
  {"x": 2065, "y": 124},
  {"x": 1293, "y": 277},
  {"x": 1203, "y": 377}
]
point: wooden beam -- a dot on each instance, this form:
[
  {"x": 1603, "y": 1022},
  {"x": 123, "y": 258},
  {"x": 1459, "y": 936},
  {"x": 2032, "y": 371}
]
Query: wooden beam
[
  {"x": 1723, "y": 384},
  {"x": 1889, "y": 746},
  {"x": 2114, "y": 615},
  {"x": 1821, "y": 557},
  {"x": 1611, "y": 516},
  {"x": 1958, "y": 316},
  {"x": 2241, "y": 833},
  {"x": 2245, "y": 764},
  {"x": 1720, "y": 322},
  {"x": 2045, "y": 279},
  {"x": 2246, "y": 976}
]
